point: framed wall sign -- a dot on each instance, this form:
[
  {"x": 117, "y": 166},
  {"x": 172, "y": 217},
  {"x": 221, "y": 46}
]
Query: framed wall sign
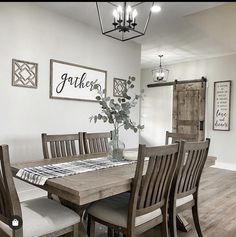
[
  {"x": 75, "y": 82},
  {"x": 119, "y": 86},
  {"x": 221, "y": 111},
  {"x": 24, "y": 73}
]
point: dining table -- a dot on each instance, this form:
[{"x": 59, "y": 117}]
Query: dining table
[{"x": 85, "y": 188}]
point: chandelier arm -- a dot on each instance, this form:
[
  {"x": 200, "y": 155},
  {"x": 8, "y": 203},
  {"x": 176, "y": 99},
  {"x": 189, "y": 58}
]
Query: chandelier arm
[
  {"x": 109, "y": 31},
  {"x": 113, "y": 4},
  {"x": 114, "y": 37},
  {"x": 132, "y": 37},
  {"x": 121, "y": 38},
  {"x": 139, "y": 32},
  {"x": 137, "y": 4},
  {"x": 100, "y": 19},
  {"x": 147, "y": 22}
]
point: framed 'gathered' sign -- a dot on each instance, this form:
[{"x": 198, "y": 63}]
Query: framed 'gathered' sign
[
  {"x": 75, "y": 82},
  {"x": 221, "y": 112}
]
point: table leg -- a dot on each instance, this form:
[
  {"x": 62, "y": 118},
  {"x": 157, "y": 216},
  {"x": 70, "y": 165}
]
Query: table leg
[
  {"x": 182, "y": 223},
  {"x": 81, "y": 211}
]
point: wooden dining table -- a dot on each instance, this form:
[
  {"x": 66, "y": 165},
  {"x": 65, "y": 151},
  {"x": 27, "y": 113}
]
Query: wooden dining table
[{"x": 85, "y": 188}]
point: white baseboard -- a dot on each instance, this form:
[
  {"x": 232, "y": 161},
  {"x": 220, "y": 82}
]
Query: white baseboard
[
  {"x": 31, "y": 194},
  {"x": 225, "y": 166}
]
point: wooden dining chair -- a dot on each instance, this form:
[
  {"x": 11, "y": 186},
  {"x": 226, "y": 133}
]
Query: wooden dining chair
[
  {"x": 96, "y": 142},
  {"x": 172, "y": 137},
  {"x": 185, "y": 185},
  {"x": 63, "y": 145},
  {"x": 147, "y": 204},
  {"x": 41, "y": 217}
]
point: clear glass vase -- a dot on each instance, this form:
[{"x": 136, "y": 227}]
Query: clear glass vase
[{"x": 116, "y": 147}]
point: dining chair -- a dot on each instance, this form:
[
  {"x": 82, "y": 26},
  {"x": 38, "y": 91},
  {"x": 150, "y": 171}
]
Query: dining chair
[
  {"x": 185, "y": 185},
  {"x": 41, "y": 217},
  {"x": 172, "y": 137},
  {"x": 96, "y": 142},
  {"x": 147, "y": 204},
  {"x": 63, "y": 145}
]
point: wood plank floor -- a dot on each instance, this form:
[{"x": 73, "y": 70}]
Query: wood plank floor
[{"x": 217, "y": 207}]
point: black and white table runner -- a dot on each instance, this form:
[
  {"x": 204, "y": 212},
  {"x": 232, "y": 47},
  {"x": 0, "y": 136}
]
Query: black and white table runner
[{"x": 40, "y": 174}]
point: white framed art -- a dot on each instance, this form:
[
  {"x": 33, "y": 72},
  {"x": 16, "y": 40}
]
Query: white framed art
[{"x": 75, "y": 82}]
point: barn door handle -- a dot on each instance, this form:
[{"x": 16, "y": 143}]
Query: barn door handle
[{"x": 201, "y": 125}]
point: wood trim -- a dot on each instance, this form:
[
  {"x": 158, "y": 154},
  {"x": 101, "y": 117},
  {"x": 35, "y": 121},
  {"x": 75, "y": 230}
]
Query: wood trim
[
  {"x": 36, "y": 73},
  {"x": 172, "y": 83}
]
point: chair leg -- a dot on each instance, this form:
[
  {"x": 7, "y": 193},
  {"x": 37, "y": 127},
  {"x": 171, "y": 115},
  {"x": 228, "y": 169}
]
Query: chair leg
[
  {"x": 164, "y": 225},
  {"x": 110, "y": 232},
  {"x": 172, "y": 218},
  {"x": 91, "y": 227},
  {"x": 74, "y": 233},
  {"x": 196, "y": 219},
  {"x": 76, "y": 230}
]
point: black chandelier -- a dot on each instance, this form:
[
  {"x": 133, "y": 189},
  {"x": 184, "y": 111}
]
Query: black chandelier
[{"x": 123, "y": 24}]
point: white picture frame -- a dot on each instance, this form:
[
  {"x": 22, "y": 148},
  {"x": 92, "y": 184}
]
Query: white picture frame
[
  {"x": 221, "y": 107},
  {"x": 75, "y": 82}
]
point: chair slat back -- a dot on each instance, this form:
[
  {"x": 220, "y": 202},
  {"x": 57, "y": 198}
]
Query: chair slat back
[
  {"x": 189, "y": 173},
  {"x": 96, "y": 142},
  {"x": 151, "y": 190},
  {"x": 62, "y": 145},
  {"x": 9, "y": 200},
  {"x": 173, "y": 137}
]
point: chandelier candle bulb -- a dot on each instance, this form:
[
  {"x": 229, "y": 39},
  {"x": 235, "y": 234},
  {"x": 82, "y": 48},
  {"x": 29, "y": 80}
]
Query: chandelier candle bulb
[
  {"x": 156, "y": 8},
  {"x": 115, "y": 14},
  {"x": 129, "y": 10}
]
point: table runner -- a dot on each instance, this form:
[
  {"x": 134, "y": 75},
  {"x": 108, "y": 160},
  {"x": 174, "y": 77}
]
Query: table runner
[{"x": 40, "y": 174}]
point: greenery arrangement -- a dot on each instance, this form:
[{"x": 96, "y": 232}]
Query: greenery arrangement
[{"x": 117, "y": 112}]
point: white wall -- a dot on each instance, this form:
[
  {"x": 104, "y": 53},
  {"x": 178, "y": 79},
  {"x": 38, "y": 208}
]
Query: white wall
[
  {"x": 156, "y": 110},
  {"x": 32, "y": 33}
]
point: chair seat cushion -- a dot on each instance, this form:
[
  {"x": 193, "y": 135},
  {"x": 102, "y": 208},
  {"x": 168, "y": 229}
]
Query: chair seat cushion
[
  {"x": 43, "y": 216},
  {"x": 184, "y": 200},
  {"x": 114, "y": 210}
]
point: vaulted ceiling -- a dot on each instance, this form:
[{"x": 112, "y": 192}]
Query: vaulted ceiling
[{"x": 182, "y": 31}]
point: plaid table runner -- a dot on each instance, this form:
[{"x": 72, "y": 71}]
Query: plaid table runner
[{"x": 40, "y": 174}]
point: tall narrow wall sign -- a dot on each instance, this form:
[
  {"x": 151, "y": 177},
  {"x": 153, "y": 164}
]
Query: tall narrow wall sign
[{"x": 221, "y": 111}]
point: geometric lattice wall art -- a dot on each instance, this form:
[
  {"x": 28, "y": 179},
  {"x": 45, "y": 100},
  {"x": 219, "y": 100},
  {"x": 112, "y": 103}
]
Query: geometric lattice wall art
[
  {"x": 118, "y": 87},
  {"x": 24, "y": 74}
]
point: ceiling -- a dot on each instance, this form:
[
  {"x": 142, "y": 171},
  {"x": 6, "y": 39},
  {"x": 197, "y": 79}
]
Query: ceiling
[{"x": 182, "y": 31}]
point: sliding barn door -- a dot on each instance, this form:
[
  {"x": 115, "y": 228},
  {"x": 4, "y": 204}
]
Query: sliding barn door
[{"x": 189, "y": 109}]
